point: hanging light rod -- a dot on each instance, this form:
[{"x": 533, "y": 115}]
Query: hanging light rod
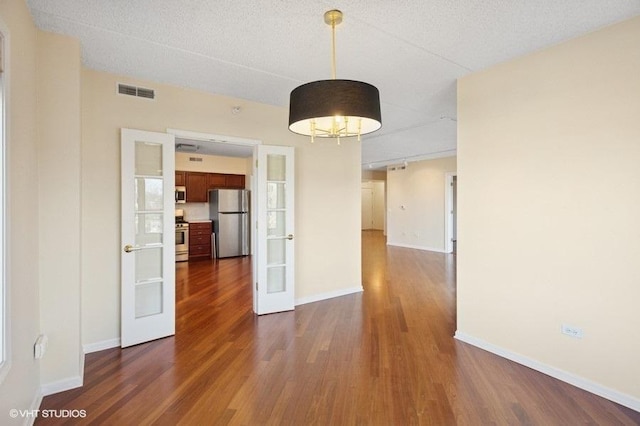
[{"x": 334, "y": 108}]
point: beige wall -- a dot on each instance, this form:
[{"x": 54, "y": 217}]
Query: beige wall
[
  {"x": 415, "y": 204},
  {"x": 214, "y": 164},
  {"x": 327, "y": 188},
  {"x": 368, "y": 175},
  {"x": 549, "y": 201},
  {"x": 19, "y": 387},
  {"x": 59, "y": 207}
]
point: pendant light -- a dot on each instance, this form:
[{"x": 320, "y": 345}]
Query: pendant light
[{"x": 334, "y": 108}]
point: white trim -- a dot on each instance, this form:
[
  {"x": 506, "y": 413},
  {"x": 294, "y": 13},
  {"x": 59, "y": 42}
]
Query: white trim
[
  {"x": 35, "y": 404},
  {"x": 383, "y": 164},
  {"x": 448, "y": 206},
  {"x": 82, "y": 358},
  {"x": 101, "y": 346},
  {"x": 210, "y": 137},
  {"x": 572, "y": 379},
  {"x": 5, "y": 216},
  {"x": 328, "y": 295},
  {"x": 61, "y": 385},
  {"x": 412, "y": 246}
]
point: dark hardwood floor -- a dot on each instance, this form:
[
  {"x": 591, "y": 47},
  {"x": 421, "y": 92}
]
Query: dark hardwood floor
[{"x": 382, "y": 357}]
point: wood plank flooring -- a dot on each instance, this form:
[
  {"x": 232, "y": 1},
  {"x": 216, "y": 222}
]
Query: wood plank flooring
[{"x": 382, "y": 357}]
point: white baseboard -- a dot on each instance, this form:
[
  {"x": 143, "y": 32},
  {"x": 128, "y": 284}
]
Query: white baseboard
[
  {"x": 100, "y": 346},
  {"x": 329, "y": 295},
  {"x": 35, "y": 404},
  {"x": 412, "y": 246},
  {"x": 82, "y": 357},
  {"x": 61, "y": 385},
  {"x": 64, "y": 384},
  {"x": 572, "y": 379}
]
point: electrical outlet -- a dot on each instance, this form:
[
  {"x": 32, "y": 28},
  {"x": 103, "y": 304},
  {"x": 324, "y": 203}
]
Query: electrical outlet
[{"x": 572, "y": 331}]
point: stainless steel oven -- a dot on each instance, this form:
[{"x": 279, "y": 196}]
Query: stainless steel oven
[{"x": 182, "y": 242}]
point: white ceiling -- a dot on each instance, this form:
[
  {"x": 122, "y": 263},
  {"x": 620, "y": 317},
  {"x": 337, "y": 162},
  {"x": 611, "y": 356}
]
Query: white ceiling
[{"x": 413, "y": 50}]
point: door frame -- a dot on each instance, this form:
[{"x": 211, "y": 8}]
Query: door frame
[{"x": 448, "y": 211}]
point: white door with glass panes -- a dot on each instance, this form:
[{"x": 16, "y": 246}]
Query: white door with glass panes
[
  {"x": 148, "y": 236},
  {"x": 274, "y": 289}
]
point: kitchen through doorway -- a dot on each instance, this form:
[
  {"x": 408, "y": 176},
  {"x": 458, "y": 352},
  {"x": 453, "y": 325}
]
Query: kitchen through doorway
[{"x": 208, "y": 161}]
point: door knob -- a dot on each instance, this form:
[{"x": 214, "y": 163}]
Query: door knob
[
  {"x": 290, "y": 237},
  {"x": 129, "y": 248}
]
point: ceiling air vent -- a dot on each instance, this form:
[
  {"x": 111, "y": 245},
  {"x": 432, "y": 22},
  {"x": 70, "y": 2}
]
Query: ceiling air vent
[{"x": 140, "y": 92}]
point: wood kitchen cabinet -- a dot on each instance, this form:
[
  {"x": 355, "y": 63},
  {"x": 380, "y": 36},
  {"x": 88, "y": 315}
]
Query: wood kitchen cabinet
[
  {"x": 199, "y": 240},
  {"x": 221, "y": 180},
  {"x": 234, "y": 181},
  {"x": 217, "y": 180},
  {"x": 197, "y": 187},
  {"x": 181, "y": 178},
  {"x": 199, "y": 183}
]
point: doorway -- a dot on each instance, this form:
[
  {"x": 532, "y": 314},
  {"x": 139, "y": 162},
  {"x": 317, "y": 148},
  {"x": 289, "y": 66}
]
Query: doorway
[
  {"x": 206, "y": 154},
  {"x": 271, "y": 196},
  {"x": 373, "y": 205}
]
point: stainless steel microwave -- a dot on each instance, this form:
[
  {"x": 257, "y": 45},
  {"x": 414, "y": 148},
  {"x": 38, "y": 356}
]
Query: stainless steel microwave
[{"x": 181, "y": 194}]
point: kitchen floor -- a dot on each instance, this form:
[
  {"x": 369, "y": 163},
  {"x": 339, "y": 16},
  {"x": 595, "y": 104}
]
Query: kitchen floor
[{"x": 211, "y": 278}]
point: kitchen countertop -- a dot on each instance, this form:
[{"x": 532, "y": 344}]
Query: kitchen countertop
[{"x": 199, "y": 220}]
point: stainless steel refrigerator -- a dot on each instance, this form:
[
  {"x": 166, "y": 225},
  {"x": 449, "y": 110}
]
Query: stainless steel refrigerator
[{"x": 229, "y": 211}]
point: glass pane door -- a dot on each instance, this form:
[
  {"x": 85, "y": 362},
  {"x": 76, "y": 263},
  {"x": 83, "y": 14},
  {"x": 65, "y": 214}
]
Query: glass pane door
[
  {"x": 275, "y": 245},
  {"x": 148, "y": 236}
]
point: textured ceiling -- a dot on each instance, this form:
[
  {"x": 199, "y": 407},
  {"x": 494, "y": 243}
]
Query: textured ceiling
[{"x": 413, "y": 50}]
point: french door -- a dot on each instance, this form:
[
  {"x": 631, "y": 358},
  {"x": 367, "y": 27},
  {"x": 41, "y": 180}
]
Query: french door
[
  {"x": 274, "y": 289},
  {"x": 148, "y": 238}
]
